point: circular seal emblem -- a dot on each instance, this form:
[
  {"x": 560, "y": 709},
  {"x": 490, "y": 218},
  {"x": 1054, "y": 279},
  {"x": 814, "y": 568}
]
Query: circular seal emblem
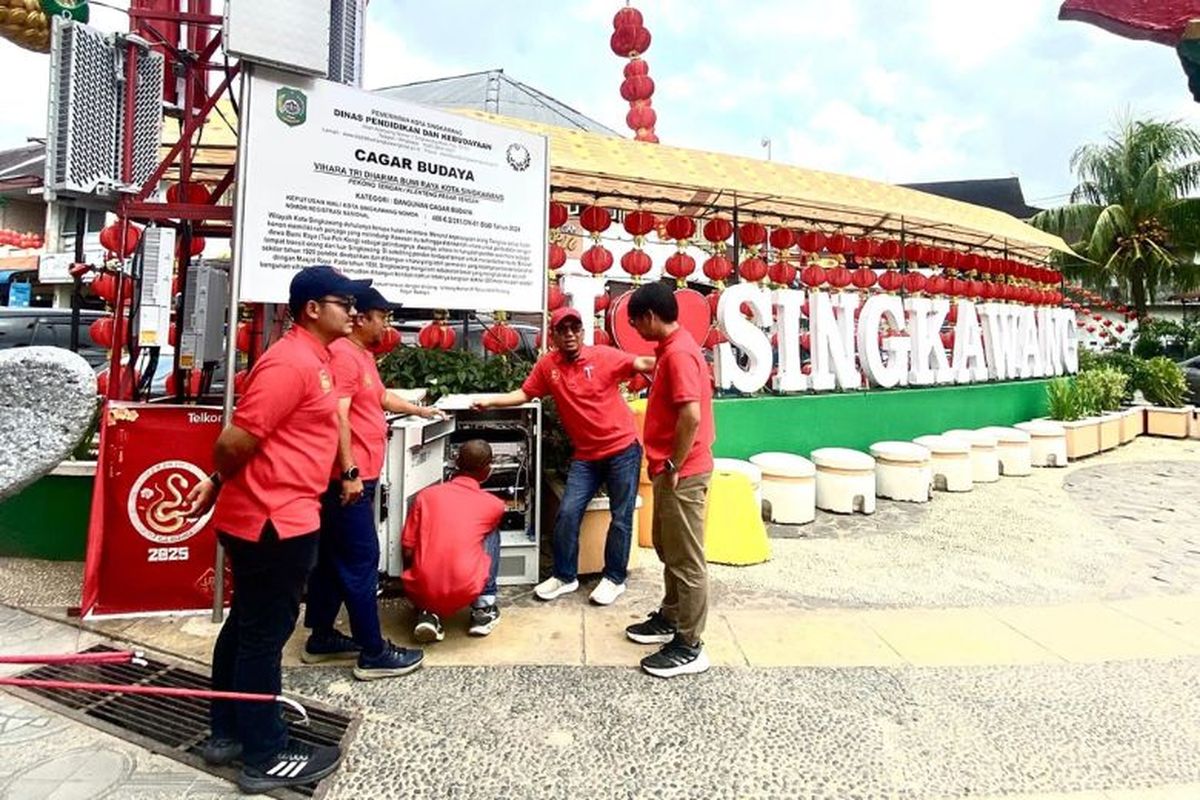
[
  {"x": 518, "y": 157},
  {"x": 158, "y": 502}
]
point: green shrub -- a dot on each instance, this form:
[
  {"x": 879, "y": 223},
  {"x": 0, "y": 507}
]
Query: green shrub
[
  {"x": 1111, "y": 388},
  {"x": 1162, "y": 382},
  {"x": 1062, "y": 396},
  {"x": 445, "y": 372},
  {"x": 1089, "y": 391}
]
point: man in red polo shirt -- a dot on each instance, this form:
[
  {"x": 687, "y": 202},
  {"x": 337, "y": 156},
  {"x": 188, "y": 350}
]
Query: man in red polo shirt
[
  {"x": 347, "y": 570},
  {"x": 679, "y": 436},
  {"x": 584, "y": 383},
  {"x": 272, "y": 465},
  {"x": 451, "y": 547}
]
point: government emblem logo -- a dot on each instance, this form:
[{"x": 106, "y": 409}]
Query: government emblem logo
[
  {"x": 518, "y": 157},
  {"x": 291, "y": 106}
]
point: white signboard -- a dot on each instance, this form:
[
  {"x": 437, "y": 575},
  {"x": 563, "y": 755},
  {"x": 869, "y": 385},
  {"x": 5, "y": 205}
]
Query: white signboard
[{"x": 441, "y": 211}]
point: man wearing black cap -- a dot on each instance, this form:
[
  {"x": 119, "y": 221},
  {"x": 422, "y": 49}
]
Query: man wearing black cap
[
  {"x": 272, "y": 465},
  {"x": 347, "y": 568},
  {"x": 584, "y": 384}
]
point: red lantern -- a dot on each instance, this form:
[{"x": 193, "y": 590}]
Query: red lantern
[
  {"x": 240, "y": 380},
  {"x": 105, "y": 287},
  {"x": 813, "y": 276},
  {"x": 387, "y": 341},
  {"x": 639, "y": 87},
  {"x": 437, "y": 335},
  {"x": 101, "y": 332},
  {"x": 120, "y": 238},
  {"x": 197, "y": 194},
  {"x": 863, "y": 277},
  {"x": 596, "y": 259},
  {"x": 679, "y": 266},
  {"x": 806, "y": 342},
  {"x": 952, "y": 314},
  {"x": 601, "y": 303},
  {"x": 242, "y": 339},
  {"x": 782, "y": 238},
  {"x": 641, "y": 117},
  {"x": 194, "y": 378},
  {"x": 640, "y": 223},
  {"x": 752, "y": 235},
  {"x": 936, "y": 284},
  {"x": 914, "y": 282},
  {"x": 197, "y": 244},
  {"x": 753, "y": 269},
  {"x": 891, "y": 281},
  {"x": 718, "y": 268},
  {"x": 781, "y": 273},
  {"x": 948, "y": 340},
  {"x": 714, "y": 338},
  {"x": 916, "y": 253},
  {"x": 558, "y": 215},
  {"x": 557, "y": 256},
  {"x": 629, "y": 41},
  {"x": 681, "y": 228},
  {"x": 500, "y": 339},
  {"x": 636, "y": 66},
  {"x": 838, "y": 243},
  {"x": 889, "y": 250},
  {"x": 595, "y": 220},
  {"x": 955, "y": 287},
  {"x": 636, "y": 263},
  {"x": 865, "y": 249},
  {"x": 718, "y": 230},
  {"x": 812, "y": 241},
  {"x": 838, "y": 277},
  {"x": 714, "y": 300},
  {"x": 555, "y": 298}
]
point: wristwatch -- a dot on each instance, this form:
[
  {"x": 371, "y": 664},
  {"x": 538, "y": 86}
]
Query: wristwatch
[
  {"x": 670, "y": 466},
  {"x": 350, "y": 474}
]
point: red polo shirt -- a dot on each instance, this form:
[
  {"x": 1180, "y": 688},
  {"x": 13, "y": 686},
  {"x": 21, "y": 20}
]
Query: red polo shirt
[
  {"x": 596, "y": 418},
  {"x": 290, "y": 406},
  {"x": 445, "y": 530},
  {"x": 680, "y": 376},
  {"x": 357, "y": 377}
]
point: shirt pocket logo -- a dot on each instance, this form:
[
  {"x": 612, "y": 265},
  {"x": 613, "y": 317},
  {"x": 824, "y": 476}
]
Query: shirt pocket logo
[{"x": 326, "y": 381}]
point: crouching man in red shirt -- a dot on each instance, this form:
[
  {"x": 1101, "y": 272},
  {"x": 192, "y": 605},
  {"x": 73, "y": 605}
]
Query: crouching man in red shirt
[{"x": 451, "y": 547}]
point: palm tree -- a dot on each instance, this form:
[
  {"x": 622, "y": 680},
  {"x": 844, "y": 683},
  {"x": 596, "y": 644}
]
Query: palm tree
[{"x": 1131, "y": 220}]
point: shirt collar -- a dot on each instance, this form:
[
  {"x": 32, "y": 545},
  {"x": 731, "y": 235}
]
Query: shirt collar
[
  {"x": 310, "y": 341},
  {"x": 670, "y": 340},
  {"x": 465, "y": 480},
  {"x": 582, "y": 358}
]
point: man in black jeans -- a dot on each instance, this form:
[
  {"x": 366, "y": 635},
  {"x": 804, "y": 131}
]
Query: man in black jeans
[{"x": 272, "y": 464}]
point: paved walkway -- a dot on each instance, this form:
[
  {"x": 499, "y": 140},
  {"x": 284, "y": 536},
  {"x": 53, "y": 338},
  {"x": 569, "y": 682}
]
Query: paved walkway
[{"x": 1037, "y": 635}]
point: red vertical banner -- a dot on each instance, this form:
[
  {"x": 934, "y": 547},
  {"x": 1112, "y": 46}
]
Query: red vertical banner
[{"x": 145, "y": 555}]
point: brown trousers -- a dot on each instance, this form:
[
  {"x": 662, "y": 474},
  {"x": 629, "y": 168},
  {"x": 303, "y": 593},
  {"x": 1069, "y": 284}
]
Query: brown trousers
[{"x": 678, "y": 534}]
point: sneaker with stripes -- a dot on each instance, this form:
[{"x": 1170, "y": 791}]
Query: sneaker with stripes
[
  {"x": 297, "y": 764},
  {"x": 676, "y": 657}
]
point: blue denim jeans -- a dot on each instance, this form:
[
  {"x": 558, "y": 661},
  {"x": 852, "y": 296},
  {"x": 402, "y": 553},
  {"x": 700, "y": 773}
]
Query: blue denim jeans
[
  {"x": 347, "y": 568},
  {"x": 491, "y": 546},
  {"x": 620, "y": 472}
]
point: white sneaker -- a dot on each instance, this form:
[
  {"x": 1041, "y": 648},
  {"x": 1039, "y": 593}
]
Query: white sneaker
[
  {"x": 552, "y": 587},
  {"x": 606, "y": 592}
]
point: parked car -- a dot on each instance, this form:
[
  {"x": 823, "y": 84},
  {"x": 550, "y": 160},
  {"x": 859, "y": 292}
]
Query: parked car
[
  {"x": 51, "y": 327},
  {"x": 162, "y": 369},
  {"x": 527, "y": 348},
  {"x": 1191, "y": 372}
]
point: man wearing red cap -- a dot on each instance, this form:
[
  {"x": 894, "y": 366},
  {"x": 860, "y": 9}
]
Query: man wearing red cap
[{"x": 584, "y": 381}]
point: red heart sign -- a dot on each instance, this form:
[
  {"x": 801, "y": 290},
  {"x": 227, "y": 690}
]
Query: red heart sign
[{"x": 694, "y": 317}]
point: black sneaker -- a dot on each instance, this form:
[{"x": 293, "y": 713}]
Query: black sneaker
[
  {"x": 428, "y": 628},
  {"x": 297, "y": 764},
  {"x": 328, "y": 647},
  {"x": 390, "y": 663},
  {"x": 657, "y": 629},
  {"x": 483, "y": 620},
  {"x": 220, "y": 751},
  {"x": 677, "y": 658}
]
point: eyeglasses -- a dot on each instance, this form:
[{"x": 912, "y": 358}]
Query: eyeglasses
[
  {"x": 345, "y": 302},
  {"x": 570, "y": 328}
]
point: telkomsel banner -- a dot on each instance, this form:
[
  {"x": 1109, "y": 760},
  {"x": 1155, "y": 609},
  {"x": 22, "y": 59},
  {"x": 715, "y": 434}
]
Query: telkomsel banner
[{"x": 145, "y": 555}]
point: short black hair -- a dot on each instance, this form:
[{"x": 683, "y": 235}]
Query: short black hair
[
  {"x": 296, "y": 308},
  {"x": 474, "y": 457},
  {"x": 656, "y": 297}
]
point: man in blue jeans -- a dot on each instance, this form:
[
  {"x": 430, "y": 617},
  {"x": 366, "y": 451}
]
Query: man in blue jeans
[
  {"x": 584, "y": 381},
  {"x": 347, "y": 569}
]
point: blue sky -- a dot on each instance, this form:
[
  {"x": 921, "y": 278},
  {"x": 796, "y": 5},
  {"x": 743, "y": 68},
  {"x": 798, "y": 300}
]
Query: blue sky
[{"x": 896, "y": 90}]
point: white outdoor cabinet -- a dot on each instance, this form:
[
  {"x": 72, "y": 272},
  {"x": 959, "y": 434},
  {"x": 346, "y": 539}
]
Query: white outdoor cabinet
[{"x": 421, "y": 453}]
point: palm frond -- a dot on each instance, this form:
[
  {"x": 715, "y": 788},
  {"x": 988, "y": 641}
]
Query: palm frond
[
  {"x": 1181, "y": 218},
  {"x": 1112, "y": 223}
]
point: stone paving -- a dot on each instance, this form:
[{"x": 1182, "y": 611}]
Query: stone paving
[{"x": 1054, "y": 654}]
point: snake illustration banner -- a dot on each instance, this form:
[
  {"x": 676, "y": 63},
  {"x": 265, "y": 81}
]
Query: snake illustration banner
[{"x": 145, "y": 554}]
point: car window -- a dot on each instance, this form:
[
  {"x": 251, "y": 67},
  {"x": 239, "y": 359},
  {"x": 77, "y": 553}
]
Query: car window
[{"x": 16, "y": 330}]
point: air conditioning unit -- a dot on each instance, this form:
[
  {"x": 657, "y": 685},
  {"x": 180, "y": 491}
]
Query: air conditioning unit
[
  {"x": 346, "y": 24},
  {"x": 87, "y": 121}
]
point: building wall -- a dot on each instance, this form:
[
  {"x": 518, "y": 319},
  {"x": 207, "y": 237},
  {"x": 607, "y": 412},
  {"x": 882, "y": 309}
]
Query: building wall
[{"x": 24, "y": 216}]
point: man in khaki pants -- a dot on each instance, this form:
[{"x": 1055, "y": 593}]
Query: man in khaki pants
[{"x": 679, "y": 436}]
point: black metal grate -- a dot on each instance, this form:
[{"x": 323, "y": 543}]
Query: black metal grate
[{"x": 172, "y": 726}]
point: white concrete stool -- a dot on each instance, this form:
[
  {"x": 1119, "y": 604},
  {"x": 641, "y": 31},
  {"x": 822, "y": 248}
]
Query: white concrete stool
[
  {"x": 902, "y": 471},
  {"x": 950, "y": 462},
  {"x": 1047, "y": 442},
  {"x": 753, "y": 473},
  {"x": 985, "y": 461},
  {"x": 845, "y": 480},
  {"x": 1012, "y": 446},
  {"x": 789, "y": 484}
]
